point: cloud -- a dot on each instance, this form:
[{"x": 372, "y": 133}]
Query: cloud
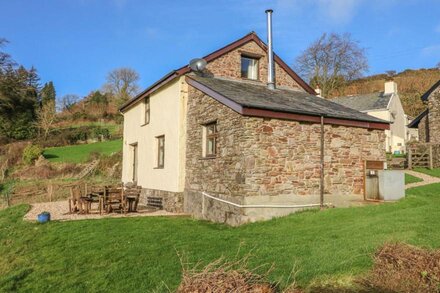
[
  {"x": 339, "y": 11},
  {"x": 433, "y": 50},
  {"x": 120, "y": 4}
]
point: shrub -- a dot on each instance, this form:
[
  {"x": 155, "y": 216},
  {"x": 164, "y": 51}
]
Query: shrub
[
  {"x": 31, "y": 153},
  {"x": 101, "y": 133}
]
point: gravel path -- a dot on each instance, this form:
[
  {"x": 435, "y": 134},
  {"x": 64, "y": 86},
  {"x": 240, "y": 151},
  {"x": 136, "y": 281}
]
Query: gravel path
[
  {"x": 427, "y": 179},
  {"x": 59, "y": 211}
]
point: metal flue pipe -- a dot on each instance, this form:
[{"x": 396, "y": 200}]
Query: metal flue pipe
[{"x": 270, "y": 65}]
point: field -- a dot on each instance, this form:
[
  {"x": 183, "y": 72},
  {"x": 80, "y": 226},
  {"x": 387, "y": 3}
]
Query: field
[
  {"x": 411, "y": 179},
  {"x": 432, "y": 172},
  {"x": 81, "y": 153},
  {"x": 141, "y": 254}
]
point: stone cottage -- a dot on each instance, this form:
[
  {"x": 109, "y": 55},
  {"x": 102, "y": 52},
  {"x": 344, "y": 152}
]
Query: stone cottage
[
  {"x": 220, "y": 145},
  {"x": 385, "y": 105},
  {"x": 428, "y": 122}
]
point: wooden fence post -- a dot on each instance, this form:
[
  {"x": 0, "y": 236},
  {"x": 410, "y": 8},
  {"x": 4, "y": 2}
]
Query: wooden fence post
[
  {"x": 410, "y": 158},
  {"x": 431, "y": 165}
]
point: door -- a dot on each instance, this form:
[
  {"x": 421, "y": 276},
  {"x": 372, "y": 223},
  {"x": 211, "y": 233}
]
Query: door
[{"x": 135, "y": 162}]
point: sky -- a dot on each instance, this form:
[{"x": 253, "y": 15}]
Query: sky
[{"x": 75, "y": 43}]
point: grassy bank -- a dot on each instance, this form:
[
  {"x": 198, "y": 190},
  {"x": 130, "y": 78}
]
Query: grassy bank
[
  {"x": 140, "y": 254},
  {"x": 80, "y": 153},
  {"x": 432, "y": 172},
  {"x": 412, "y": 179}
]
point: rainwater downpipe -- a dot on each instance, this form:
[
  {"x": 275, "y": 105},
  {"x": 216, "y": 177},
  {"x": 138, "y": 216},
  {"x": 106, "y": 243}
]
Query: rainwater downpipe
[
  {"x": 321, "y": 191},
  {"x": 321, "y": 203}
]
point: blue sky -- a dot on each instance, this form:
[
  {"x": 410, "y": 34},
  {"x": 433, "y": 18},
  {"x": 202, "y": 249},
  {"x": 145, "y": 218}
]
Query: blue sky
[{"x": 76, "y": 43}]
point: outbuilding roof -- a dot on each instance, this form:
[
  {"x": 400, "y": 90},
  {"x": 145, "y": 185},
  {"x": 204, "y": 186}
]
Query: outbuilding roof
[
  {"x": 366, "y": 102},
  {"x": 242, "y": 96}
]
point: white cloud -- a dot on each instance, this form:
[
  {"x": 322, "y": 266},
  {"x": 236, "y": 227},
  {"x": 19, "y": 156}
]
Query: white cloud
[
  {"x": 339, "y": 11},
  {"x": 433, "y": 50}
]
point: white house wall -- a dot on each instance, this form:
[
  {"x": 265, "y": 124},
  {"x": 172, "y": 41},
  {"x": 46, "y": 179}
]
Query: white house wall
[
  {"x": 167, "y": 117},
  {"x": 396, "y": 136}
]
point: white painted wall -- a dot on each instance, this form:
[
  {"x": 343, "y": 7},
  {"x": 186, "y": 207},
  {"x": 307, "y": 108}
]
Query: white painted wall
[
  {"x": 396, "y": 136},
  {"x": 167, "y": 117}
]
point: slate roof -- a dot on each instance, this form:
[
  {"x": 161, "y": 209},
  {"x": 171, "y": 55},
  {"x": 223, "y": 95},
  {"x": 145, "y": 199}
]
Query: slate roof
[
  {"x": 416, "y": 121},
  {"x": 367, "y": 102},
  {"x": 426, "y": 95},
  {"x": 258, "y": 96}
]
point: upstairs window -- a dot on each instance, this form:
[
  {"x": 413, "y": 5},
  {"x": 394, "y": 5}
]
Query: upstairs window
[
  {"x": 249, "y": 67},
  {"x": 210, "y": 139},
  {"x": 160, "y": 151},
  {"x": 146, "y": 110}
]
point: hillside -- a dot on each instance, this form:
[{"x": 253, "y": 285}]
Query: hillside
[{"x": 411, "y": 85}]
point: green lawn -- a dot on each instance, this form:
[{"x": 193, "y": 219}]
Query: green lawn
[
  {"x": 433, "y": 172},
  {"x": 411, "y": 179},
  {"x": 140, "y": 254},
  {"x": 80, "y": 153}
]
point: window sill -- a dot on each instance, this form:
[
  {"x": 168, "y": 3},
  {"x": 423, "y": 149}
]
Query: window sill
[{"x": 208, "y": 158}]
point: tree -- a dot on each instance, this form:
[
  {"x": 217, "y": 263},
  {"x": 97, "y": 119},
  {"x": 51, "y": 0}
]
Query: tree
[
  {"x": 331, "y": 61},
  {"x": 5, "y": 58},
  {"x": 46, "y": 116},
  {"x": 48, "y": 94},
  {"x": 99, "y": 101},
  {"x": 68, "y": 101},
  {"x": 438, "y": 65},
  {"x": 122, "y": 84},
  {"x": 391, "y": 73}
]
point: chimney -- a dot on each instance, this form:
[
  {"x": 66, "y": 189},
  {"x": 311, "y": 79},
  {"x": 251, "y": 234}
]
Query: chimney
[
  {"x": 390, "y": 87},
  {"x": 270, "y": 65},
  {"x": 318, "y": 92}
]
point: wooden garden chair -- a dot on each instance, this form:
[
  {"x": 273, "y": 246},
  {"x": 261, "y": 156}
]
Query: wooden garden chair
[
  {"x": 131, "y": 198},
  {"x": 77, "y": 200},
  {"x": 113, "y": 199}
]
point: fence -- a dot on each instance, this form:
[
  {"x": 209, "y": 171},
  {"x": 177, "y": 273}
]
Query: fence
[{"x": 425, "y": 155}]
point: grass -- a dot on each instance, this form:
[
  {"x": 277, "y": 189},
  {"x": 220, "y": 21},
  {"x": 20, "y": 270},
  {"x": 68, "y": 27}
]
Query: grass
[
  {"x": 140, "y": 254},
  {"x": 432, "y": 172},
  {"x": 412, "y": 179},
  {"x": 80, "y": 153}
]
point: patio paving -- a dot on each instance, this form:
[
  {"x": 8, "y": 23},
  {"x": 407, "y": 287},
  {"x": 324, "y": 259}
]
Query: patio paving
[{"x": 59, "y": 210}]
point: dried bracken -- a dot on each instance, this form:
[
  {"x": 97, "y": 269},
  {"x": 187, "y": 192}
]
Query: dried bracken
[
  {"x": 405, "y": 268},
  {"x": 224, "y": 276}
]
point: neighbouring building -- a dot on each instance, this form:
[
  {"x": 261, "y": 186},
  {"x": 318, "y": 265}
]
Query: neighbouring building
[
  {"x": 428, "y": 122},
  {"x": 222, "y": 132},
  {"x": 387, "y": 106}
]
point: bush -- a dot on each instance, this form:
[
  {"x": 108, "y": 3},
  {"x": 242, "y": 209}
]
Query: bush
[
  {"x": 31, "y": 153},
  {"x": 99, "y": 133}
]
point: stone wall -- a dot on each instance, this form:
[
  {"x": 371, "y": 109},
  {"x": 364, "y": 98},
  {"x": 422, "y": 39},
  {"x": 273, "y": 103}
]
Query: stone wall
[
  {"x": 270, "y": 157},
  {"x": 424, "y": 129},
  {"x": 172, "y": 201},
  {"x": 229, "y": 65},
  {"x": 434, "y": 116}
]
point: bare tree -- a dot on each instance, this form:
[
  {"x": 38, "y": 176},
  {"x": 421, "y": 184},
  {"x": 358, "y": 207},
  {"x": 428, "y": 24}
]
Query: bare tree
[
  {"x": 46, "y": 117},
  {"x": 122, "y": 83},
  {"x": 331, "y": 61},
  {"x": 391, "y": 73},
  {"x": 68, "y": 101}
]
